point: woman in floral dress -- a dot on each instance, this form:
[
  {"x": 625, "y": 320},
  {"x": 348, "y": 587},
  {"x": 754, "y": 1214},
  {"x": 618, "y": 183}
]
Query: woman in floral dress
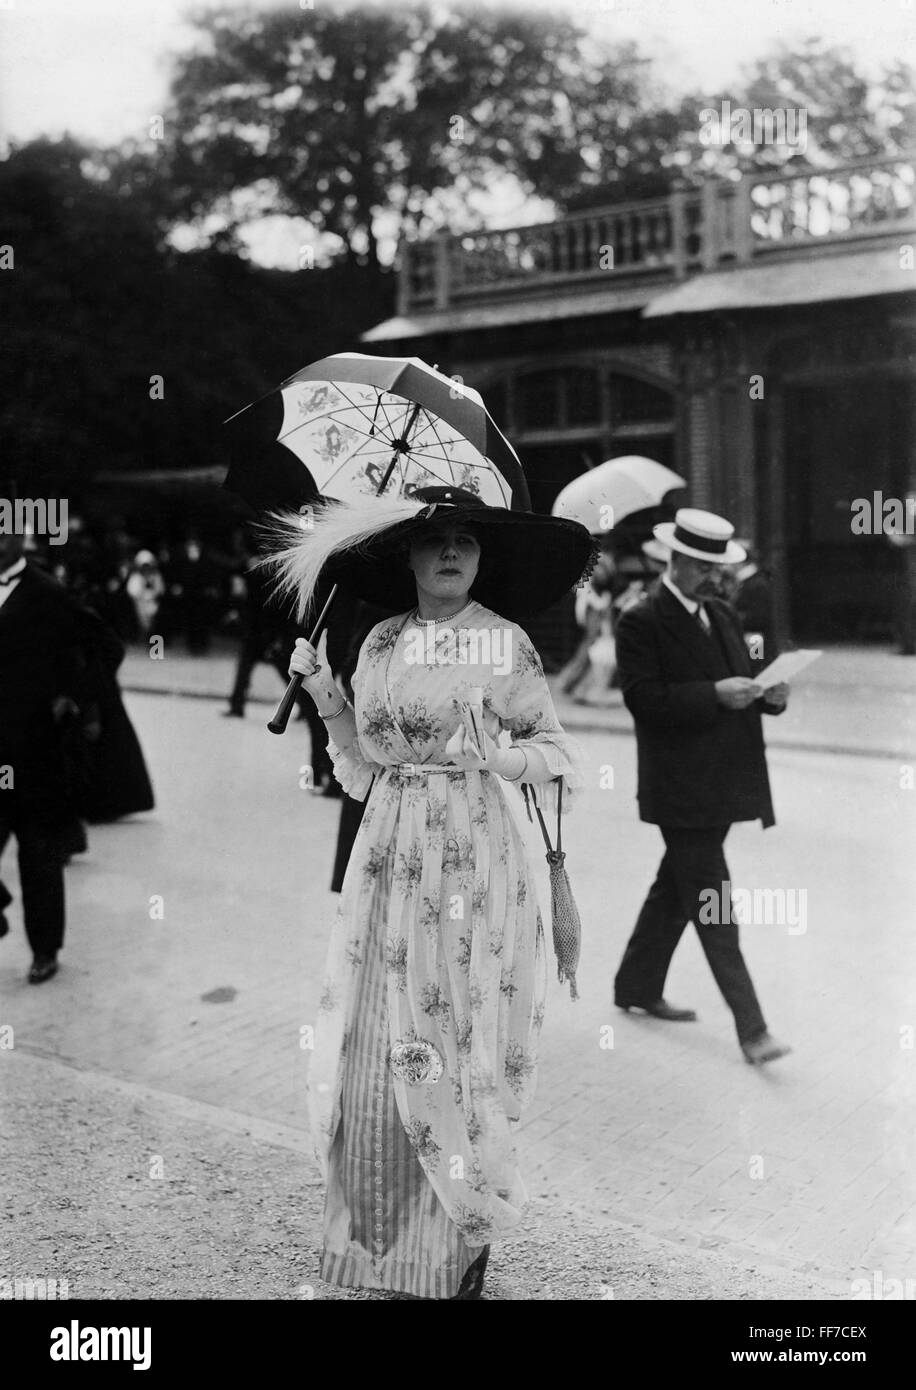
[{"x": 435, "y": 984}]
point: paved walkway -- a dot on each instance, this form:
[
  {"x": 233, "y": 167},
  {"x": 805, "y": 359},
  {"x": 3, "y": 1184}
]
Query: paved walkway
[
  {"x": 197, "y": 935},
  {"x": 853, "y": 700},
  {"x": 124, "y": 1191}
]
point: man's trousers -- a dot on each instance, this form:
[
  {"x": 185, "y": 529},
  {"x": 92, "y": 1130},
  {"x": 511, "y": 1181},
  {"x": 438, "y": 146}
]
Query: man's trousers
[
  {"x": 694, "y": 863},
  {"x": 41, "y": 870}
]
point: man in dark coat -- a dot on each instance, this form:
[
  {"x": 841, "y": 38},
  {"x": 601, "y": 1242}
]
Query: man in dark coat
[
  {"x": 48, "y": 644},
  {"x": 269, "y": 635},
  {"x": 686, "y": 679}
]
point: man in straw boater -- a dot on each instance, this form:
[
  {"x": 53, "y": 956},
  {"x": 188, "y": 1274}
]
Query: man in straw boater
[
  {"x": 686, "y": 679},
  {"x": 427, "y": 1028}
]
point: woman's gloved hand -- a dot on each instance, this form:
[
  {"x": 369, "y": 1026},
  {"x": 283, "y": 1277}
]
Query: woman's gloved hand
[
  {"x": 460, "y": 749},
  {"x": 304, "y": 662}
]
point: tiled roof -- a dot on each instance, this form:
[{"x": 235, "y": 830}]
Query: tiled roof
[
  {"x": 834, "y": 274},
  {"x": 533, "y": 307}
]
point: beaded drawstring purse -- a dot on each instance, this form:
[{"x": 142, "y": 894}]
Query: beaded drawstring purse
[{"x": 567, "y": 926}]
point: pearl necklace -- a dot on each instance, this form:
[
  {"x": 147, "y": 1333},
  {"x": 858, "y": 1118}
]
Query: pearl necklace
[{"x": 435, "y": 622}]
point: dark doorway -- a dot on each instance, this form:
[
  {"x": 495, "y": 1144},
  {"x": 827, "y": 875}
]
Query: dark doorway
[
  {"x": 549, "y": 467},
  {"x": 844, "y": 440}
]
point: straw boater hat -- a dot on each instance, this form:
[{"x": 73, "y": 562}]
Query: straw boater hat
[
  {"x": 528, "y": 560},
  {"x": 703, "y": 535},
  {"x": 654, "y": 550}
]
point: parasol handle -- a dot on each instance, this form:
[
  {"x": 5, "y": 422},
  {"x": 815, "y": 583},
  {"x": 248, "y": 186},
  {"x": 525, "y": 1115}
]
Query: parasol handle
[{"x": 285, "y": 708}]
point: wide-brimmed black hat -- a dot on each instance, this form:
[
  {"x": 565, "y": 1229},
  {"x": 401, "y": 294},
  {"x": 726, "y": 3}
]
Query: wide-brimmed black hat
[{"x": 529, "y": 560}]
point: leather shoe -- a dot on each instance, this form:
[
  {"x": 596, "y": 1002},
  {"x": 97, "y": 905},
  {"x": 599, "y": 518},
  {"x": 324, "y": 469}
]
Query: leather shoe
[
  {"x": 764, "y": 1049},
  {"x": 661, "y": 1009},
  {"x": 43, "y": 967},
  {"x": 471, "y": 1286}
]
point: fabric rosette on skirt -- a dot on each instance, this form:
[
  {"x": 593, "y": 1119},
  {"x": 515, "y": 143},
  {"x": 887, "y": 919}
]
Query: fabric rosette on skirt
[{"x": 416, "y": 1062}]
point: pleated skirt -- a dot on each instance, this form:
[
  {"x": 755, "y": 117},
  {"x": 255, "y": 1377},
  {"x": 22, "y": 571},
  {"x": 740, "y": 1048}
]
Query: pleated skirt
[{"x": 384, "y": 1226}]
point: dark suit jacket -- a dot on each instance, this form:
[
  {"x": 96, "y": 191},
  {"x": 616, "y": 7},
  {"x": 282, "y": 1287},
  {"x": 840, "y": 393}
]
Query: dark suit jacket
[
  {"x": 700, "y": 765},
  {"x": 49, "y": 645},
  {"x": 271, "y": 628}
]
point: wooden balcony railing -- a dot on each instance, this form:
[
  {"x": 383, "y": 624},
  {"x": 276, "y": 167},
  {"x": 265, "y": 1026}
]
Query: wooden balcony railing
[{"x": 691, "y": 230}]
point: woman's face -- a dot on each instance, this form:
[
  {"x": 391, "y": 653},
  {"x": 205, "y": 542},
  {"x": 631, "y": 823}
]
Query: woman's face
[{"x": 445, "y": 559}]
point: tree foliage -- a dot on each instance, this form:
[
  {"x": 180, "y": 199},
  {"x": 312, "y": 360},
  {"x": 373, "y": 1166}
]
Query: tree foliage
[
  {"x": 354, "y": 118},
  {"x": 95, "y": 307},
  {"x": 846, "y": 117},
  {"x": 370, "y": 122}
]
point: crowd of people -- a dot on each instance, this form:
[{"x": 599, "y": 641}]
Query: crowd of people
[
  {"x": 181, "y": 585},
  {"x": 194, "y": 590}
]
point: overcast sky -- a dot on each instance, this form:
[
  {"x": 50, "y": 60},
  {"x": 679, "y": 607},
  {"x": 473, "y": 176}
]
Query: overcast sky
[{"x": 100, "y": 68}]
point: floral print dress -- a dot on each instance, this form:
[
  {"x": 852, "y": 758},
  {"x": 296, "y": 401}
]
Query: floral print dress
[{"x": 438, "y": 937}]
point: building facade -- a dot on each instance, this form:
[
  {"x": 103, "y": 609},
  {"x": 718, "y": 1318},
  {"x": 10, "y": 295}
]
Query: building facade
[{"x": 756, "y": 335}]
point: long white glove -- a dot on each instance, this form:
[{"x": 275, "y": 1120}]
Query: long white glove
[{"x": 507, "y": 762}]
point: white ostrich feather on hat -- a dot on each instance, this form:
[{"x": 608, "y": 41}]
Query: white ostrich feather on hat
[{"x": 303, "y": 544}]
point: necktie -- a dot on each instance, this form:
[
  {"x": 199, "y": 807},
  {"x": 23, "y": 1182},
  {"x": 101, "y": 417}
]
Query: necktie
[{"x": 703, "y": 618}]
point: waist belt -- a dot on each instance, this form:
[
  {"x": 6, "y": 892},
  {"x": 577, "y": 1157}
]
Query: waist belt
[{"x": 417, "y": 769}]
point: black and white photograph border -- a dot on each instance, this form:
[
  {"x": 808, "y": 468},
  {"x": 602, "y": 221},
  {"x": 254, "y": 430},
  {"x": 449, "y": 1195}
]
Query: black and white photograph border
[{"x": 457, "y": 468}]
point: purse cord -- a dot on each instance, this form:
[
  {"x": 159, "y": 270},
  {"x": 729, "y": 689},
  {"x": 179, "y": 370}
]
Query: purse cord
[{"x": 550, "y": 849}]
